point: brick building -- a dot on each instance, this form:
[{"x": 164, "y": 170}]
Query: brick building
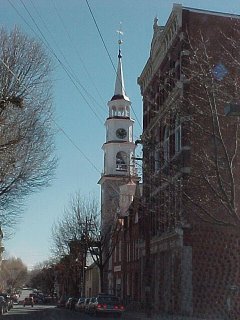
[
  {"x": 191, "y": 165},
  {"x": 126, "y": 257}
]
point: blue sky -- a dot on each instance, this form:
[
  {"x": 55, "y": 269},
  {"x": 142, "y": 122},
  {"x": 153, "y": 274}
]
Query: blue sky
[{"x": 81, "y": 105}]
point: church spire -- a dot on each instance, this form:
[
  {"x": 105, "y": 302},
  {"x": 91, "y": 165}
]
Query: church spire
[{"x": 119, "y": 92}]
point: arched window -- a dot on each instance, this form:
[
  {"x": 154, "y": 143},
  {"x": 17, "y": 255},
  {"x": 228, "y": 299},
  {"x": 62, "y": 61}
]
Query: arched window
[
  {"x": 178, "y": 135},
  {"x": 121, "y": 112},
  {"x": 113, "y": 110},
  {"x": 127, "y": 112},
  {"x": 166, "y": 145},
  {"x": 121, "y": 161}
]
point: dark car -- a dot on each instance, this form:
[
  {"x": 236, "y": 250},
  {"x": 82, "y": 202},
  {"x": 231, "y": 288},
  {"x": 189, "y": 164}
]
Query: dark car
[
  {"x": 70, "y": 304},
  {"x": 61, "y": 302},
  {"x": 28, "y": 301},
  {"x": 3, "y": 305},
  {"x": 103, "y": 304}
]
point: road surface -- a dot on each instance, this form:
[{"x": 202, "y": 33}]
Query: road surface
[{"x": 45, "y": 312}]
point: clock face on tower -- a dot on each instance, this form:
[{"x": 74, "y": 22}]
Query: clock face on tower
[{"x": 121, "y": 133}]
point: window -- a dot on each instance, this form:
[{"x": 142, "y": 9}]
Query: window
[
  {"x": 120, "y": 251},
  {"x": 166, "y": 145},
  {"x": 121, "y": 159},
  {"x": 178, "y": 135},
  {"x": 157, "y": 158},
  {"x": 157, "y": 151},
  {"x": 127, "y": 112},
  {"x": 113, "y": 111}
]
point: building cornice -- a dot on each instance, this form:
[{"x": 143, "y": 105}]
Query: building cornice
[{"x": 161, "y": 42}]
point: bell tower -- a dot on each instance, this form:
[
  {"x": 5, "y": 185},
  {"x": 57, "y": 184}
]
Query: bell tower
[{"x": 119, "y": 149}]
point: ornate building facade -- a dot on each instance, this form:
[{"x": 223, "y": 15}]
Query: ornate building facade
[{"x": 191, "y": 164}]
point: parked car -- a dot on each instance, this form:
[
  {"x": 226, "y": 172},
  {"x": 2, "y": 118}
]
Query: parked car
[
  {"x": 14, "y": 298},
  {"x": 62, "y": 302},
  {"x": 105, "y": 303},
  {"x": 70, "y": 303},
  {"x": 3, "y": 305},
  {"x": 28, "y": 301},
  {"x": 67, "y": 303},
  {"x": 47, "y": 299},
  {"x": 79, "y": 304},
  {"x": 85, "y": 305},
  {"x": 8, "y": 299},
  {"x": 89, "y": 306},
  {"x": 34, "y": 296}
]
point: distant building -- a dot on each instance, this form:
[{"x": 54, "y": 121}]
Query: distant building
[
  {"x": 92, "y": 281},
  {"x": 190, "y": 207}
]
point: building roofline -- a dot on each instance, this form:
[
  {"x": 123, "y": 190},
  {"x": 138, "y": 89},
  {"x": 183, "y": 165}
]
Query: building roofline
[{"x": 210, "y": 12}]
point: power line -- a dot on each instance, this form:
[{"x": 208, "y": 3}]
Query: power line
[
  {"x": 62, "y": 130},
  {"x": 79, "y": 56},
  {"x": 56, "y": 57},
  {"x": 76, "y": 146},
  {"x": 70, "y": 76},
  {"x": 99, "y": 32}
]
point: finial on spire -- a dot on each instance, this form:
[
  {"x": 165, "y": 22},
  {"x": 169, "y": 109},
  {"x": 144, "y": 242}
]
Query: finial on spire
[
  {"x": 119, "y": 92},
  {"x": 120, "y": 41},
  {"x": 155, "y": 24}
]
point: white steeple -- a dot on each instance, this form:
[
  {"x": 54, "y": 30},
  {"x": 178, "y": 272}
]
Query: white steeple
[
  {"x": 118, "y": 148},
  {"x": 119, "y": 92},
  {"x": 119, "y": 105}
]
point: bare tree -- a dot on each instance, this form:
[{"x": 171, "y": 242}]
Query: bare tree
[
  {"x": 42, "y": 277},
  {"x": 214, "y": 83},
  {"x": 13, "y": 274},
  {"x": 26, "y": 136},
  {"x": 69, "y": 247},
  {"x": 74, "y": 223},
  {"x": 79, "y": 232},
  {"x": 101, "y": 245}
]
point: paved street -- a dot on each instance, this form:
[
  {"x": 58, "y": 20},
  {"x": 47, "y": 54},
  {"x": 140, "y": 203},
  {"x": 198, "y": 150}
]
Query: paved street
[
  {"x": 40, "y": 312},
  {"x": 44, "y": 312}
]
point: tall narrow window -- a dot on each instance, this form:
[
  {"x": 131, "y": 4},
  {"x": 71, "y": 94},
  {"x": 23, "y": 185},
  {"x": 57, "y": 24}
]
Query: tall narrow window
[
  {"x": 113, "y": 112},
  {"x": 166, "y": 145},
  {"x": 178, "y": 135},
  {"x": 127, "y": 112},
  {"x": 121, "y": 161},
  {"x": 157, "y": 150}
]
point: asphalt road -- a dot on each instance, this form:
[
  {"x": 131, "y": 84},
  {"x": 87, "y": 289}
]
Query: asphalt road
[{"x": 43, "y": 312}]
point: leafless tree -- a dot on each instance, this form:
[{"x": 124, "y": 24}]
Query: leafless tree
[
  {"x": 81, "y": 226},
  {"x": 214, "y": 81},
  {"x": 74, "y": 223},
  {"x": 13, "y": 274},
  {"x": 26, "y": 136},
  {"x": 101, "y": 245},
  {"x": 69, "y": 236},
  {"x": 42, "y": 277}
]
